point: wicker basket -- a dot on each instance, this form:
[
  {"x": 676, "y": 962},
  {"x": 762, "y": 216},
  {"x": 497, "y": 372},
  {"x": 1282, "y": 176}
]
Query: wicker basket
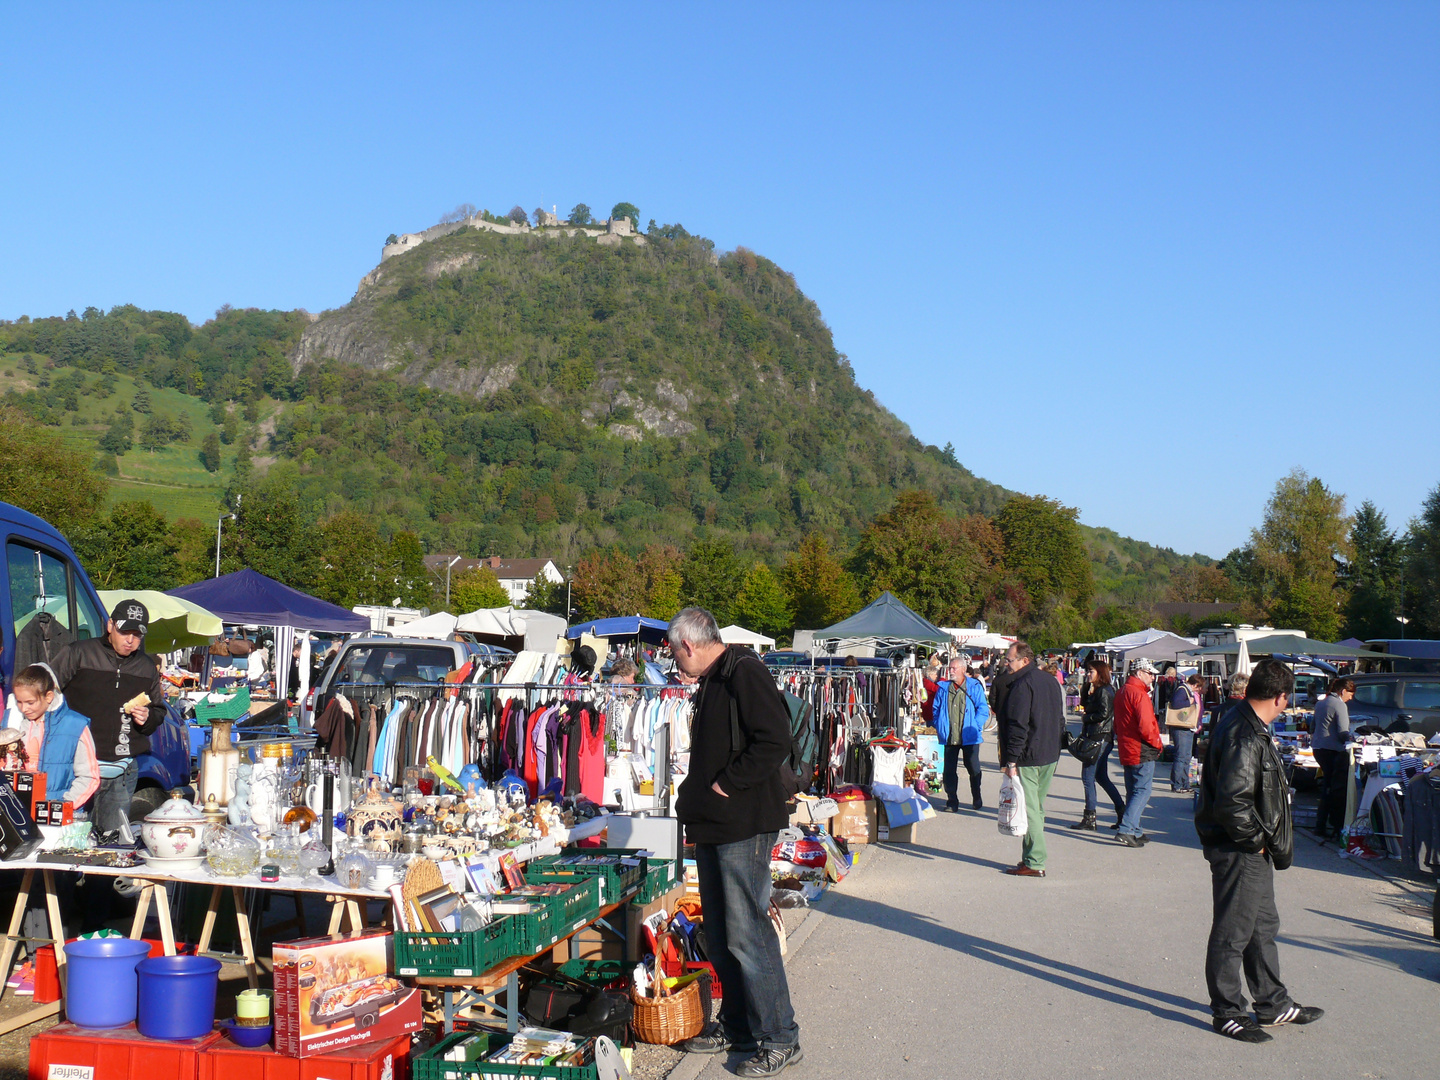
[{"x": 670, "y": 1018}]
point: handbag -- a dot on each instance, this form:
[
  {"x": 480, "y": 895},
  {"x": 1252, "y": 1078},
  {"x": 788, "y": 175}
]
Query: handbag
[
  {"x": 1187, "y": 717},
  {"x": 1088, "y": 746}
]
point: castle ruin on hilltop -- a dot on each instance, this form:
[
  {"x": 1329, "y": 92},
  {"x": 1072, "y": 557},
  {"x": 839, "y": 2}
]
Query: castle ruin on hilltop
[{"x": 611, "y": 232}]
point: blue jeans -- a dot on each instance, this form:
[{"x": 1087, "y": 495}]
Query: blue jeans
[
  {"x": 1182, "y": 740},
  {"x": 1089, "y": 774},
  {"x": 1137, "y": 795},
  {"x": 742, "y": 944}
]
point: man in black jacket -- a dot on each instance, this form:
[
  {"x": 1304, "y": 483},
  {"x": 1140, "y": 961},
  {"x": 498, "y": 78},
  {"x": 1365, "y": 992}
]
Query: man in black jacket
[
  {"x": 1032, "y": 718},
  {"x": 1243, "y": 819},
  {"x": 114, "y": 682},
  {"x": 732, "y": 804}
]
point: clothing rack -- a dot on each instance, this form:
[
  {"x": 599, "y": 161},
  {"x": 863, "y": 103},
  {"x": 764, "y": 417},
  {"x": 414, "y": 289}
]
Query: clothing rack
[{"x": 849, "y": 706}]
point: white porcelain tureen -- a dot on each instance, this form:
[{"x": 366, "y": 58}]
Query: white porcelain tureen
[{"x": 175, "y": 831}]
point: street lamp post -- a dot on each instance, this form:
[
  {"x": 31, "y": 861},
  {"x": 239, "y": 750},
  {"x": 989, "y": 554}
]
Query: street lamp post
[
  {"x": 218, "y": 523},
  {"x": 451, "y": 563}
]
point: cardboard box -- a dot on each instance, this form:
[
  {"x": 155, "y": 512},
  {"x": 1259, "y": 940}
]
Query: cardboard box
[
  {"x": 858, "y": 822},
  {"x": 18, "y": 833},
  {"x": 337, "y": 992},
  {"x": 635, "y": 914},
  {"x": 900, "y": 834}
]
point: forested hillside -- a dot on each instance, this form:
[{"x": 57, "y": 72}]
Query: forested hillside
[{"x": 517, "y": 395}]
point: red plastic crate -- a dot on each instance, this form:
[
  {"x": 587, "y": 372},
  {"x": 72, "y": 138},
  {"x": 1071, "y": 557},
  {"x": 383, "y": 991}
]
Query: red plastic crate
[
  {"x": 115, "y": 1054},
  {"x": 223, "y": 1060}
]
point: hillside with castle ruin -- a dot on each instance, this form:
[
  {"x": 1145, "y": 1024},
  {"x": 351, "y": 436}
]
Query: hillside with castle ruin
[{"x": 611, "y": 231}]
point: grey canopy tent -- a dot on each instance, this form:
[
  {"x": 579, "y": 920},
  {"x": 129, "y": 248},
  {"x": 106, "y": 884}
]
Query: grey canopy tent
[
  {"x": 884, "y": 620},
  {"x": 1290, "y": 645}
]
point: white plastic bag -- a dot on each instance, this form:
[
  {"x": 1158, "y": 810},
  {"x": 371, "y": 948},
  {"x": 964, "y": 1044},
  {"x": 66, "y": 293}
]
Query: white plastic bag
[{"x": 1011, "y": 817}]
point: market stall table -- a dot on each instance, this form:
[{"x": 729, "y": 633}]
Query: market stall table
[{"x": 345, "y": 903}]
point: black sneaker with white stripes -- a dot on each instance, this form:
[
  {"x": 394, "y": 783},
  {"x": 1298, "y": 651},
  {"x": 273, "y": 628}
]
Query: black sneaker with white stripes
[
  {"x": 1241, "y": 1028},
  {"x": 1295, "y": 1014}
]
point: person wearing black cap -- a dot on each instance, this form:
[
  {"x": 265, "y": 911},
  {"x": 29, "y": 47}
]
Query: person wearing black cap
[{"x": 114, "y": 682}]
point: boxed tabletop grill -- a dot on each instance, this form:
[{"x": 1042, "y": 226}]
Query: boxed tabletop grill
[{"x": 339, "y": 991}]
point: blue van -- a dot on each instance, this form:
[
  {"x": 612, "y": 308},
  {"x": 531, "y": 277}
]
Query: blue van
[{"x": 42, "y": 575}]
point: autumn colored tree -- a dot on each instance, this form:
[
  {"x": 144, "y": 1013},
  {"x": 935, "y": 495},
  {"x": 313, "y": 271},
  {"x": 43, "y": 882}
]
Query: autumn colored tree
[
  {"x": 820, "y": 591},
  {"x": 38, "y": 474},
  {"x": 923, "y": 556},
  {"x": 477, "y": 588},
  {"x": 608, "y": 583},
  {"x": 1045, "y": 550},
  {"x": 762, "y": 605},
  {"x": 659, "y": 566},
  {"x": 1298, "y": 550}
]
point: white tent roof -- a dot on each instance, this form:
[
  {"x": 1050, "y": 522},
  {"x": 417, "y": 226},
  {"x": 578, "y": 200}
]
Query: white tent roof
[
  {"x": 738, "y": 635},
  {"x": 1149, "y": 644},
  {"x": 538, "y": 628},
  {"x": 974, "y": 639},
  {"x": 439, "y": 625}
]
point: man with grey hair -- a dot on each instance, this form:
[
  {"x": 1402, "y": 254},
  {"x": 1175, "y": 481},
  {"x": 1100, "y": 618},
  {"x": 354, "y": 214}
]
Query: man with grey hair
[{"x": 732, "y": 804}]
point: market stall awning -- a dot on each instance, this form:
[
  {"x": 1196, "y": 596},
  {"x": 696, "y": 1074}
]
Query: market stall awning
[
  {"x": 885, "y": 618},
  {"x": 1149, "y": 644},
  {"x": 175, "y": 623},
  {"x": 1290, "y": 646},
  {"x": 651, "y": 631},
  {"x": 252, "y": 599},
  {"x": 738, "y": 635},
  {"x": 439, "y": 625},
  {"x": 538, "y": 628}
]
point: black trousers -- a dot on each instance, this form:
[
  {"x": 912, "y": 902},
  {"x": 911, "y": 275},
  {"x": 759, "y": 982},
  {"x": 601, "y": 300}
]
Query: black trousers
[
  {"x": 1242, "y": 935},
  {"x": 952, "y": 774},
  {"x": 1334, "y": 784}
]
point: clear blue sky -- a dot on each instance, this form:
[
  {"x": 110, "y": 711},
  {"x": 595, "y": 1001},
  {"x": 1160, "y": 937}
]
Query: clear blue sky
[{"x": 1143, "y": 258}]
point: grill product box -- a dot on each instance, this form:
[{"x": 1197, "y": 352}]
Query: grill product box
[
  {"x": 337, "y": 992},
  {"x": 67, "y": 1052},
  {"x": 223, "y": 1060}
]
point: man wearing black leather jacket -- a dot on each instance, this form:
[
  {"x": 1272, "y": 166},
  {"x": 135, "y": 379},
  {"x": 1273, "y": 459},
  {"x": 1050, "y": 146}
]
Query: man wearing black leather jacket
[{"x": 1243, "y": 819}]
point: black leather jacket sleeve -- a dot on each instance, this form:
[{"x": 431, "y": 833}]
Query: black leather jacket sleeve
[
  {"x": 1100, "y": 709},
  {"x": 1236, "y": 780}
]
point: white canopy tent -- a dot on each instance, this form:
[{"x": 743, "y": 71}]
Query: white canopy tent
[
  {"x": 1149, "y": 644},
  {"x": 539, "y": 629},
  {"x": 439, "y": 625},
  {"x": 738, "y": 635},
  {"x": 968, "y": 637}
]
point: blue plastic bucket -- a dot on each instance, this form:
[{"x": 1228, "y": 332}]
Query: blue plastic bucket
[
  {"x": 102, "y": 974},
  {"x": 177, "y": 996}
]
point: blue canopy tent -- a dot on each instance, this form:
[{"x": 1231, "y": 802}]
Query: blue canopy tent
[
  {"x": 250, "y": 598},
  {"x": 650, "y": 631}
]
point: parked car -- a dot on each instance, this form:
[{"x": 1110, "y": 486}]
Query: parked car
[
  {"x": 44, "y": 581},
  {"x": 1400, "y": 698},
  {"x": 374, "y": 660}
]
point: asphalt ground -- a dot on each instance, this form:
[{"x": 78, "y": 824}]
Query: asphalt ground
[{"x": 930, "y": 962}]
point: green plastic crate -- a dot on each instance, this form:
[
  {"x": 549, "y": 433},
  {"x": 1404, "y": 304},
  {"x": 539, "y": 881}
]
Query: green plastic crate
[
  {"x": 232, "y": 708},
  {"x": 431, "y": 1066},
  {"x": 615, "y": 883},
  {"x": 594, "y": 972},
  {"x": 575, "y": 907},
  {"x": 537, "y": 931},
  {"x": 660, "y": 878},
  {"x": 456, "y": 955}
]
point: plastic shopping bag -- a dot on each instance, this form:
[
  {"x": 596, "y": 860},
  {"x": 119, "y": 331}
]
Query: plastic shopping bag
[{"x": 1011, "y": 817}]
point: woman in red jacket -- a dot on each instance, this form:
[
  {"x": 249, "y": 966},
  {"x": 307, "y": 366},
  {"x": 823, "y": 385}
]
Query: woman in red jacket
[{"x": 1137, "y": 738}]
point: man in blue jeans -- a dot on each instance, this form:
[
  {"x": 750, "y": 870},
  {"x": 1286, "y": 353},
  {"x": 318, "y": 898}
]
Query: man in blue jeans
[
  {"x": 1137, "y": 737},
  {"x": 732, "y": 804}
]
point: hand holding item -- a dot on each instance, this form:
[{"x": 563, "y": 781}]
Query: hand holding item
[{"x": 138, "y": 707}]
